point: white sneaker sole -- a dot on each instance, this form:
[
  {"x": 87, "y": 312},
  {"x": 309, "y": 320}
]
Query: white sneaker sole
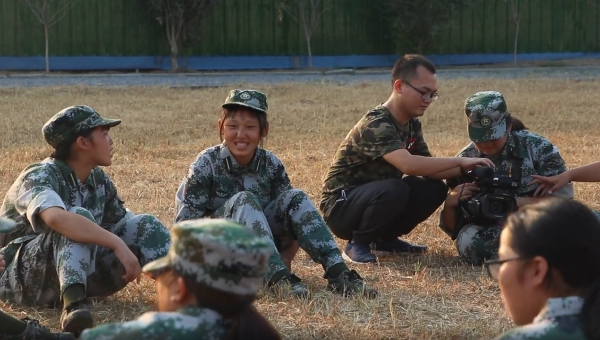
[{"x": 348, "y": 259}]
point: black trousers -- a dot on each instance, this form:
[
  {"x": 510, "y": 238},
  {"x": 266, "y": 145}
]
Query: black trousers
[{"x": 384, "y": 210}]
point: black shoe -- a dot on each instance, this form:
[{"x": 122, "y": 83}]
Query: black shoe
[
  {"x": 349, "y": 283},
  {"x": 35, "y": 331},
  {"x": 291, "y": 285},
  {"x": 397, "y": 246},
  {"x": 76, "y": 318}
]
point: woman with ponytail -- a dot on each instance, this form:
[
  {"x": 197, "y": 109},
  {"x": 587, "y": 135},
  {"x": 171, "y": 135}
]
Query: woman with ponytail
[
  {"x": 548, "y": 269},
  {"x": 205, "y": 286}
]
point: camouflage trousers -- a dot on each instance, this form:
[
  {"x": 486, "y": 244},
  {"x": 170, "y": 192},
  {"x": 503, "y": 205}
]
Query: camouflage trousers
[
  {"x": 41, "y": 268},
  {"x": 477, "y": 244},
  {"x": 291, "y": 216}
]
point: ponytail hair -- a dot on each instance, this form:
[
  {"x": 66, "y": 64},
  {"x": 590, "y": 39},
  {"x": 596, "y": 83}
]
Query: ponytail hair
[
  {"x": 515, "y": 123},
  {"x": 249, "y": 323},
  {"x": 566, "y": 233},
  {"x": 590, "y": 314}
]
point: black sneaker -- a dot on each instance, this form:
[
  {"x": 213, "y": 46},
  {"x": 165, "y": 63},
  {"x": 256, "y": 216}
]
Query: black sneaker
[
  {"x": 358, "y": 253},
  {"x": 349, "y": 283},
  {"x": 76, "y": 318},
  {"x": 397, "y": 246},
  {"x": 291, "y": 285},
  {"x": 38, "y": 332}
]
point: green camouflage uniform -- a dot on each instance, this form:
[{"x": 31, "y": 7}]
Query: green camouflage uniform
[
  {"x": 258, "y": 195},
  {"x": 41, "y": 263},
  {"x": 359, "y": 159},
  {"x": 558, "y": 320},
  {"x": 487, "y": 114},
  {"x": 217, "y": 253}
]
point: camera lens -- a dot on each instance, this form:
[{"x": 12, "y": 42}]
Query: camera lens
[{"x": 497, "y": 207}]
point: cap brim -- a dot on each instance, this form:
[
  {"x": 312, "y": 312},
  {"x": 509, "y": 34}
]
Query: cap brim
[
  {"x": 479, "y": 135},
  {"x": 7, "y": 225},
  {"x": 245, "y": 105},
  {"x": 156, "y": 267},
  {"x": 108, "y": 122}
]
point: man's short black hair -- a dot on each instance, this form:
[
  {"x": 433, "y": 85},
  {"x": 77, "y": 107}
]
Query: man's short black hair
[{"x": 406, "y": 67}]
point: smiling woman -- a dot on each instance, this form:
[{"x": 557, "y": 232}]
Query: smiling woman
[{"x": 239, "y": 180}]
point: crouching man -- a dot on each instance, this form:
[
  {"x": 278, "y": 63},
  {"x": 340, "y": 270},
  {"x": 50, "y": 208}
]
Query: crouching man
[{"x": 74, "y": 238}]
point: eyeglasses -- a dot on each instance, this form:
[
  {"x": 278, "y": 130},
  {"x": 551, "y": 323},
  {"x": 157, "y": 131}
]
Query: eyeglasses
[
  {"x": 493, "y": 266},
  {"x": 424, "y": 95}
]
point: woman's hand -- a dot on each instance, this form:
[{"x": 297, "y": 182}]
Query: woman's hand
[
  {"x": 2, "y": 263},
  {"x": 548, "y": 185},
  {"x": 461, "y": 192}
]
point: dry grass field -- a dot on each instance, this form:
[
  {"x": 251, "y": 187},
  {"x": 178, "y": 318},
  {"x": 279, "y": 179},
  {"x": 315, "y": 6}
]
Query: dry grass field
[{"x": 436, "y": 296}]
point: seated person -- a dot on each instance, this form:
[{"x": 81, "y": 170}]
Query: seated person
[
  {"x": 206, "y": 286},
  {"x": 548, "y": 269},
  {"x": 241, "y": 181},
  {"x": 517, "y": 153},
  {"x": 12, "y": 328},
  {"x": 74, "y": 237}
]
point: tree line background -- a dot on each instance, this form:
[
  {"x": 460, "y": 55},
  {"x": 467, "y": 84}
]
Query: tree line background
[{"x": 295, "y": 27}]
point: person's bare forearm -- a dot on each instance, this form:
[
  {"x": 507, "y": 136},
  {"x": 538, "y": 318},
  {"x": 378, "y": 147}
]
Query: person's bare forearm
[
  {"x": 78, "y": 228},
  {"x": 586, "y": 173},
  {"x": 414, "y": 165},
  {"x": 452, "y": 173},
  {"x": 448, "y": 216}
]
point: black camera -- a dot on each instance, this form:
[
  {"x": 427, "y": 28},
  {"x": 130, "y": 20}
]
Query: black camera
[{"x": 497, "y": 197}]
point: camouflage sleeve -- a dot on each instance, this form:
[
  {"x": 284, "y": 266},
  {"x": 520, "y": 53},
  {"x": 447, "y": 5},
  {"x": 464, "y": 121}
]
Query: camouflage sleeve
[
  {"x": 420, "y": 148},
  {"x": 378, "y": 138},
  {"x": 160, "y": 326},
  {"x": 36, "y": 191},
  {"x": 114, "y": 210},
  {"x": 193, "y": 195},
  {"x": 281, "y": 181}
]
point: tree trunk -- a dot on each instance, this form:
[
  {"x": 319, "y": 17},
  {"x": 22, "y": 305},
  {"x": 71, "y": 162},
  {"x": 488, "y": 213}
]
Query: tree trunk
[
  {"x": 514, "y": 6},
  {"x": 307, "y": 36},
  {"x": 517, "y": 21},
  {"x": 47, "y": 49},
  {"x": 174, "y": 65},
  {"x": 174, "y": 51}
]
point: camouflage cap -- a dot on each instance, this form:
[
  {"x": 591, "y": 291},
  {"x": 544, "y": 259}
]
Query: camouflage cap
[
  {"x": 72, "y": 120},
  {"x": 6, "y": 225},
  {"x": 249, "y": 98},
  {"x": 218, "y": 253},
  {"x": 487, "y": 115}
]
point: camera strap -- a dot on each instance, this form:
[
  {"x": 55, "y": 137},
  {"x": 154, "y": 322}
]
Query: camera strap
[{"x": 516, "y": 166}]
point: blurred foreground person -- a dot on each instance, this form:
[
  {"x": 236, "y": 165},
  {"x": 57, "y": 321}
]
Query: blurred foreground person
[
  {"x": 548, "y": 268},
  {"x": 205, "y": 286},
  {"x": 12, "y": 328}
]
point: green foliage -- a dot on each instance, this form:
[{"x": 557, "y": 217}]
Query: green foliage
[{"x": 416, "y": 24}]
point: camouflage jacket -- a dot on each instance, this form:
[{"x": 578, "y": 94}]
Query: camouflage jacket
[
  {"x": 52, "y": 183},
  {"x": 214, "y": 177},
  {"x": 359, "y": 160},
  {"x": 538, "y": 155},
  {"x": 188, "y": 323},
  {"x": 558, "y": 320}
]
